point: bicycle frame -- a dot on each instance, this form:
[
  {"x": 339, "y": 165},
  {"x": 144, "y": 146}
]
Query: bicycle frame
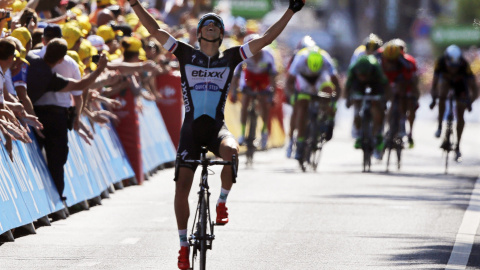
[
  {"x": 252, "y": 119},
  {"x": 316, "y": 137},
  {"x": 447, "y": 143},
  {"x": 366, "y": 126},
  {"x": 393, "y": 138},
  {"x": 202, "y": 233}
]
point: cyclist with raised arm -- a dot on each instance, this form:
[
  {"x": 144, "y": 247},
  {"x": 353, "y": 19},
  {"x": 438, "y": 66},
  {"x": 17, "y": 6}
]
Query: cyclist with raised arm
[
  {"x": 401, "y": 71},
  {"x": 305, "y": 42},
  {"x": 364, "y": 73},
  {"x": 370, "y": 46},
  {"x": 452, "y": 71},
  {"x": 310, "y": 69},
  {"x": 206, "y": 74},
  {"x": 256, "y": 74}
]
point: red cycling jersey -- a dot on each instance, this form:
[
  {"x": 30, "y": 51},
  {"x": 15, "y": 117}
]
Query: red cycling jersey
[{"x": 402, "y": 70}]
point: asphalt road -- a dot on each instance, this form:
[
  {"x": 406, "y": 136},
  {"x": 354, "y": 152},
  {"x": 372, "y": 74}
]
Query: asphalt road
[{"x": 282, "y": 218}]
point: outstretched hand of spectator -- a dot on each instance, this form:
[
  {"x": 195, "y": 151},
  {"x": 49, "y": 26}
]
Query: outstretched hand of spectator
[
  {"x": 31, "y": 120},
  {"x": 110, "y": 115},
  {"x": 8, "y": 115},
  {"x": 99, "y": 118}
]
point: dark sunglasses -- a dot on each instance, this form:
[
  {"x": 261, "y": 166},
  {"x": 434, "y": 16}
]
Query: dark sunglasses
[{"x": 215, "y": 22}]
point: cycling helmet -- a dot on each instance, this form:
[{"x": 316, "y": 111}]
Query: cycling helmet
[
  {"x": 250, "y": 37},
  {"x": 372, "y": 43},
  {"x": 217, "y": 21},
  {"x": 364, "y": 65},
  {"x": 453, "y": 55},
  {"x": 314, "y": 60},
  {"x": 401, "y": 44},
  {"x": 391, "y": 50},
  {"x": 306, "y": 42}
]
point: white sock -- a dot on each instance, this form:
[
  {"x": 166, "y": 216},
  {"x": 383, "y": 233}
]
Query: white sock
[
  {"x": 183, "y": 238},
  {"x": 223, "y": 196}
]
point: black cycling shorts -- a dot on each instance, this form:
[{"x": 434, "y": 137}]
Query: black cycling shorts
[
  {"x": 204, "y": 131},
  {"x": 459, "y": 87}
]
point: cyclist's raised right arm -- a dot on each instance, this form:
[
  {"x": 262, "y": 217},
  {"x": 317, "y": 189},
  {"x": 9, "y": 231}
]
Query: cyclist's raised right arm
[{"x": 149, "y": 22}]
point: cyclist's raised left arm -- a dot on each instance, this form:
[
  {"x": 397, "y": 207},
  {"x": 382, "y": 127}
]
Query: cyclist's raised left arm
[{"x": 274, "y": 31}]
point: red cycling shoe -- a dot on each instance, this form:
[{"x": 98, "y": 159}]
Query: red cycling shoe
[
  {"x": 222, "y": 214},
  {"x": 183, "y": 261}
]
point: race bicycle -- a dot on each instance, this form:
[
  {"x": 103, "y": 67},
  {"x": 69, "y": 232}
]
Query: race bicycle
[
  {"x": 448, "y": 141},
  {"x": 202, "y": 234},
  {"x": 252, "y": 119},
  {"x": 367, "y": 142},
  {"x": 320, "y": 124},
  {"x": 393, "y": 137}
]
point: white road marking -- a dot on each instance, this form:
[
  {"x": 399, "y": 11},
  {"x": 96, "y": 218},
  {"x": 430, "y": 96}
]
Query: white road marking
[
  {"x": 130, "y": 241},
  {"x": 466, "y": 233}
]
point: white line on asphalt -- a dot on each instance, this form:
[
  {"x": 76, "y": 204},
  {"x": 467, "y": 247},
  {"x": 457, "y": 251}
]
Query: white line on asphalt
[
  {"x": 466, "y": 234},
  {"x": 130, "y": 241}
]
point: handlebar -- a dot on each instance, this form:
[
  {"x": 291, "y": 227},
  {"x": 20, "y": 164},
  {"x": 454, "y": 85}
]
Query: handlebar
[{"x": 205, "y": 162}]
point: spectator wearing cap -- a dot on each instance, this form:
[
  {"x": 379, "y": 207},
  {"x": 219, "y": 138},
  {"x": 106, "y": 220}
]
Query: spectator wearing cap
[
  {"x": 73, "y": 35},
  {"x": 54, "y": 111},
  {"x": 106, "y": 32},
  {"x": 7, "y": 57},
  {"x": 23, "y": 35}
]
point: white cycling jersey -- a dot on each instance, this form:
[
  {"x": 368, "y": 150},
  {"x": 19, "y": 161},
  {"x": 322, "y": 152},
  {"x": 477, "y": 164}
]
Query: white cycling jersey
[{"x": 306, "y": 80}]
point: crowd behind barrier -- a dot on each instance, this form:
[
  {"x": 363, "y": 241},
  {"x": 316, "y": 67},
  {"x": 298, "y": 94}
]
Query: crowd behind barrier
[{"x": 27, "y": 192}]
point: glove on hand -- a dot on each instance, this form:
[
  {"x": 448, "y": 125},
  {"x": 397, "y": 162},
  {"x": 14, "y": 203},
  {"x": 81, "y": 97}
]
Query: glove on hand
[{"x": 296, "y": 5}]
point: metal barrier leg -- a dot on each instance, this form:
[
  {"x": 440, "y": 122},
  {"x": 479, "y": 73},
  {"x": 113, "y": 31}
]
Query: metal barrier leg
[
  {"x": 44, "y": 221},
  {"x": 7, "y": 237}
]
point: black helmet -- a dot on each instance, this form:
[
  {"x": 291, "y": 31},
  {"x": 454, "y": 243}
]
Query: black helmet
[
  {"x": 216, "y": 18},
  {"x": 372, "y": 42}
]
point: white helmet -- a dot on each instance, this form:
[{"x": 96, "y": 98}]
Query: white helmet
[
  {"x": 453, "y": 55},
  {"x": 306, "y": 42},
  {"x": 250, "y": 38}
]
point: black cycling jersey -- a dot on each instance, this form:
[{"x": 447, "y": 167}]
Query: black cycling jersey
[
  {"x": 206, "y": 80},
  {"x": 462, "y": 73},
  {"x": 205, "y": 83}
]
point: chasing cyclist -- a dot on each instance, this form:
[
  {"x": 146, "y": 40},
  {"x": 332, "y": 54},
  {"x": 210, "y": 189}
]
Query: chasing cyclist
[
  {"x": 370, "y": 46},
  {"x": 309, "y": 71},
  {"x": 206, "y": 74},
  {"x": 366, "y": 72},
  {"x": 401, "y": 71},
  {"x": 256, "y": 74},
  {"x": 305, "y": 42},
  {"x": 452, "y": 71}
]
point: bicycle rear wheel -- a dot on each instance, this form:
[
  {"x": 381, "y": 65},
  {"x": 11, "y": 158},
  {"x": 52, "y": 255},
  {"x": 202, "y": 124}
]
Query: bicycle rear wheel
[
  {"x": 203, "y": 231},
  {"x": 399, "y": 147},
  {"x": 388, "y": 158},
  {"x": 251, "y": 136}
]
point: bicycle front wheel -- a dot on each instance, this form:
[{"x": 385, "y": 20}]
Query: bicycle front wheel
[{"x": 203, "y": 231}]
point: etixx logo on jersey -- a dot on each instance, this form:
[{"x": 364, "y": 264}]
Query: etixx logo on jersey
[{"x": 207, "y": 76}]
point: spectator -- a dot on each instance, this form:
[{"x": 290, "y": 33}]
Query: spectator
[{"x": 56, "y": 115}]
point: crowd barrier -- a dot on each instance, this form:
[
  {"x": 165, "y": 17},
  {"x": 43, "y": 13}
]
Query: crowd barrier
[
  {"x": 157, "y": 147},
  {"x": 171, "y": 104},
  {"x": 27, "y": 191}
]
